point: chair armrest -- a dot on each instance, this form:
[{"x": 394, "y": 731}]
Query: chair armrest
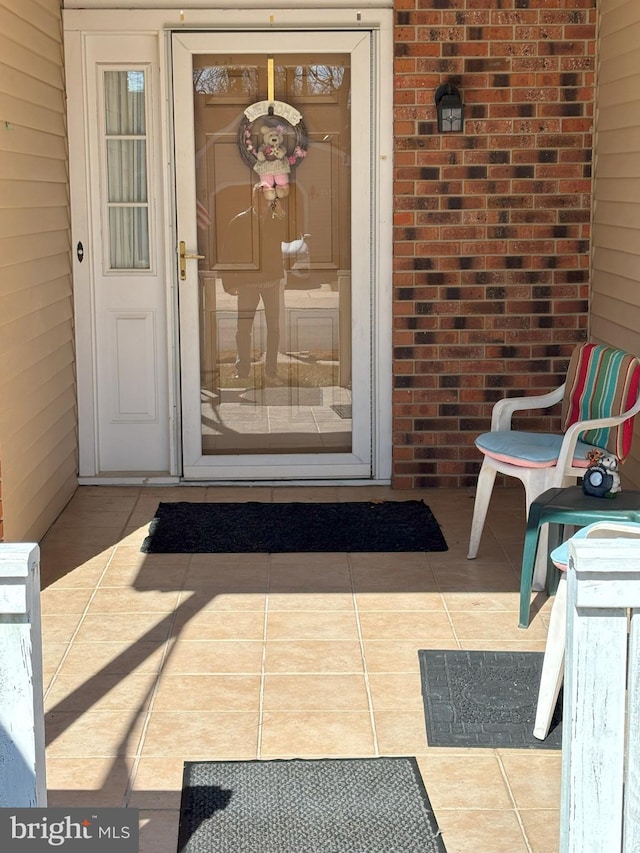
[
  {"x": 573, "y": 433},
  {"x": 504, "y": 410}
]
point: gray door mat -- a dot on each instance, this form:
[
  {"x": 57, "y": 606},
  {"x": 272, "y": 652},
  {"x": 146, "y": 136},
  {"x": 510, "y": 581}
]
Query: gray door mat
[
  {"x": 343, "y": 410},
  {"x": 484, "y": 699},
  {"x": 341, "y": 805}
]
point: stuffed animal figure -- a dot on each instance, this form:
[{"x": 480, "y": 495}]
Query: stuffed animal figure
[
  {"x": 272, "y": 163},
  {"x": 601, "y": 479}
]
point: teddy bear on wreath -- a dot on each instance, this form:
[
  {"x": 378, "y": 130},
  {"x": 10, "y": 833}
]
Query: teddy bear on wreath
[{"x": 272, "y": 163}]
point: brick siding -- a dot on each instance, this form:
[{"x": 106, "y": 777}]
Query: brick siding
[{"x": 491, "y": 225}]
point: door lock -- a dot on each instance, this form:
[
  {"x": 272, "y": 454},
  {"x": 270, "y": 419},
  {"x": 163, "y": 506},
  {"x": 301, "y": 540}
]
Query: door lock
[{"x": 184, "y": 257}]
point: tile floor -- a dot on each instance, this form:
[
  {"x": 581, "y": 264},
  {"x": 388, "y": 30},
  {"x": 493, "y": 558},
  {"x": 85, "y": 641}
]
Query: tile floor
[{"x": 151, "y": 660}]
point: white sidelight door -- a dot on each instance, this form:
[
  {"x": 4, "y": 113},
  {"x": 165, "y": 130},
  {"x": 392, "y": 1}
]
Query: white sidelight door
[{"x": 273, "y": 154}]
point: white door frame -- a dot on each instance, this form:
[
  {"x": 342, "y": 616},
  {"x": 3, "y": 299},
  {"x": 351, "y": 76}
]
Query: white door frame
[{"x": 159, "y": 24}]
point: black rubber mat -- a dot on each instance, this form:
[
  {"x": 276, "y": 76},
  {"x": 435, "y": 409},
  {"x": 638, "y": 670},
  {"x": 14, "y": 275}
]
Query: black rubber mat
[{"x": 484, "y": 699}]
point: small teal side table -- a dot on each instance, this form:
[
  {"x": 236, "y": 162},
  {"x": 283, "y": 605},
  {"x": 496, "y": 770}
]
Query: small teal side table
[{"x": 558, "y": 507}]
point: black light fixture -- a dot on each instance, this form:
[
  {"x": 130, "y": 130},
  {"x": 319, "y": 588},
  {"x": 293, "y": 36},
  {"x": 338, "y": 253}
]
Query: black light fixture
[{"x": 449, "y": 108}]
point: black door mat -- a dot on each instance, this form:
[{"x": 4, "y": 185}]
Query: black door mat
[
  {"x": 484, "y": 699},
  {"x": 251, "y": 527},
  {"x": 343, "y": 805}
]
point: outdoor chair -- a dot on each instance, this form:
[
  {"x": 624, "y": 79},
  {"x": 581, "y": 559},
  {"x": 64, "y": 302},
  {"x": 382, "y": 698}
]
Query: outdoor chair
[
  {"x": 600, "y": 396},
  {"x": 552, "y": 673}
]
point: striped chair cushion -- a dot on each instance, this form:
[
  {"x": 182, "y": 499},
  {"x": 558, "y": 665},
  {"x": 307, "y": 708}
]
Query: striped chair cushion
[{"x": 602, "y": 381}]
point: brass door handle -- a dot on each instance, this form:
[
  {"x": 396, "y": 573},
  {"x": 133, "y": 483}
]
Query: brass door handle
[{"x": 184, "y": 257}]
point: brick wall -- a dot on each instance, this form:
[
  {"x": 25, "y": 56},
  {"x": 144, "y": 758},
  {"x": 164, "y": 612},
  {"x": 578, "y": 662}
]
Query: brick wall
[{"x": 492, "y": 225}]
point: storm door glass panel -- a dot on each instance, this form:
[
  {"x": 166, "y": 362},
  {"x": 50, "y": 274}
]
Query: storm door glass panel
[
  {"x": 126, "y": 169},
  {"x": 274, "y": 227}
]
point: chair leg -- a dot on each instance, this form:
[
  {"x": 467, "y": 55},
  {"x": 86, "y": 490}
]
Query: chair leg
[
  {"x": 486, "y": 479},
  {"x": 553, "y": 664}
]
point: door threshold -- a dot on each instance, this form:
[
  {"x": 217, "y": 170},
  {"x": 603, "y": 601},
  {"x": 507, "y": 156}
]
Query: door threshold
[{"x": 159, "y": 480}]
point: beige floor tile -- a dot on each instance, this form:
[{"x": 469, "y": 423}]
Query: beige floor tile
[
  {"x": 380, "y": 567},
  {"x": 492, "y": 576},
  {"x": 219, "y": 599},
  {"x": 157, "y": 783},
  {"x": 299, "y": 625},
  {"x": 79, "y": 516},
  {"x": 482, "y": 601},
  {"x": 144, "y": 577},
  {"x": 306, "y": 572},
  {"x": 391, "y": 691},
  {"x": 130, "y": 555},
  {"x": 100, "y": 734},
  {"x": 542, "y": 828},
  {"x": 399, "y": 655},
  {"x": 464, "y": 781},
  {"x": 52, "y": 655},
  {"x": 490, "y": 831},
  {"x": 427, "y": 626},
  {"x": 220, "y": 625},
  {"x": 126, "y": 600},
  {"x": 316, "y": 734},
  {"x": 158, "y": 831},
  {"x": 100, "y": 782},
  {"x": 201, "y": 735},
  {"x": 98, "y": 538},
  {"x": 115, "y": 658},
  {"x": 125, "y": 627},
  {"x": 235, "y": 494},
  {"x": 399, "y": 601},
  {"x": 65, "y": 601},
  {"x": 58, "y": 627},
  {"x": 493, "y": 626},
  {"x": 208, "y": 693},
  {"x": 534, "y": 780},
  {"x": 310, "y": 601},
  {"x": 319, "y": 656},
  {"x": 315, "y": 693},
  {"x": 500, "y": 645},
  {"x": 106, "y": 693},
  {"x": 86, "y": 576},
  {"x": 239, "y": 568},
  {"x": 401, "y": 732},
  {"x": 98, "y": 499},
  {"x": 195, "y": 657}
]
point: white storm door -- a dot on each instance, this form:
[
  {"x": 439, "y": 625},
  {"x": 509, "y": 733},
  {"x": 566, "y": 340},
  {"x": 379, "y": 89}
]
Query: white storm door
[{"x": 274, "y": 259}]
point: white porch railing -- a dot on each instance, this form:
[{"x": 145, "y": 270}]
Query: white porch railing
[
  {"x": 22, "y": 745},
  {"x": 600, "y": 806}
]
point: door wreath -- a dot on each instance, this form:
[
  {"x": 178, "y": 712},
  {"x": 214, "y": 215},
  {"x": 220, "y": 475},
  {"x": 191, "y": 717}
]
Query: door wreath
[{"x": 272, "y": 140}]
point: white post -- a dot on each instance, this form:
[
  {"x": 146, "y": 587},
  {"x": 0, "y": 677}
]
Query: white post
[
  {"x": 600, "y": 805},
  {"x": 22, "y": 744}
]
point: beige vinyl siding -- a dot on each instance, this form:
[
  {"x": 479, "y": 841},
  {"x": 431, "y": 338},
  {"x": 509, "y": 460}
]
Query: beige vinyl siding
[
  {"x": 38, "y": 423},
  {"x": 615, "y": 289}
]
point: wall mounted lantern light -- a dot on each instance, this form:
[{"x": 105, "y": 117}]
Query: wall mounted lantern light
[{"x": 449, "y": 108}]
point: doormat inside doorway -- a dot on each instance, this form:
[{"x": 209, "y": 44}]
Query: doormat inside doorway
[
  {"x": 340, "y": 805},
  {"x": 253, "y": 527}
]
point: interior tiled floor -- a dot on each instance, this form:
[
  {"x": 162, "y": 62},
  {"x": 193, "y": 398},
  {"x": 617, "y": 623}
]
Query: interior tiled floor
[{"x": 151, "y": 660}]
